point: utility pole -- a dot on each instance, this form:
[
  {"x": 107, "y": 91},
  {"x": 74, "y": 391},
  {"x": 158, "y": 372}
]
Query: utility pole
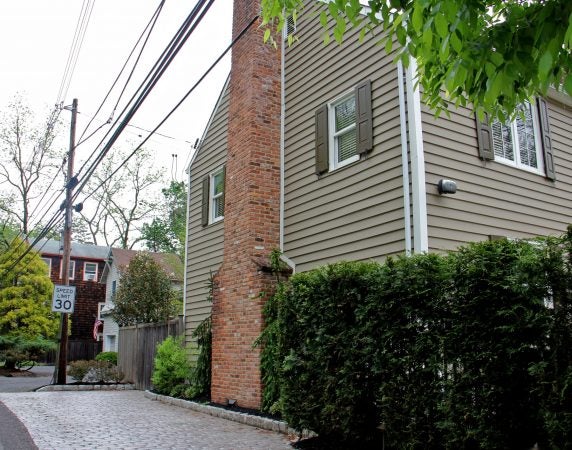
[{"x": 71, "y": 182}]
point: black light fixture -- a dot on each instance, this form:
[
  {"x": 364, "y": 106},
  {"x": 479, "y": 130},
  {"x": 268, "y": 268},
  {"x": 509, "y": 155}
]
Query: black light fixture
[{"x": 447, "y": 186}]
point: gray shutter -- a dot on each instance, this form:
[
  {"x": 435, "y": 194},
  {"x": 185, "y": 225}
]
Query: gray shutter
[
  {"x": 485, "y": 139},
  {"x": 545, "y": 139},
  {"x": 364, "y": 120},
  {"x": 205, "y": 205},
  {"x": 322, "y": 139}
]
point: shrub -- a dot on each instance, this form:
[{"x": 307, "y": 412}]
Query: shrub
[
  {"x": 78, "y": 369},
  {"x": 107, "y": 356},
  {"x": 171, "y": 366},
  {"x": 454, "y": 351},
  {"x": 17, "y": 351}
]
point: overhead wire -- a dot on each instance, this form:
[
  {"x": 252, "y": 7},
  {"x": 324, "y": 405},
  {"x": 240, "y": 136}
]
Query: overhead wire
[
  {"x": 221, "y": 56},
  {"x": 160, "y": 66},
  {"x": 150, "y": 80},
  {"x": 75, "y": 48},
  {"x": 150, "y": 25}
]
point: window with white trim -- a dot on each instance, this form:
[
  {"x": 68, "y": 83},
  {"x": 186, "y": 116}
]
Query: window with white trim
[
  {"x": 524, "y": 142},
  {"x": 518, "y": 142},
  {"x": 342, "y": 131},
  {"x": 213, "y": 197},
  {"x": 90, "y": 271},
  {"x": 48, "y": 262},
  {"x": 71, "y": 269}
]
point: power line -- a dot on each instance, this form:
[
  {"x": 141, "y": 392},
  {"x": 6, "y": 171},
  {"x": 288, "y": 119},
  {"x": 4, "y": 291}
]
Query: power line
[
  {"x": 221, "y": 56},
  {"x": 151, "y": 80},
  {"x": 77, "y": 42},
  {"x": 150, "y": 25}
]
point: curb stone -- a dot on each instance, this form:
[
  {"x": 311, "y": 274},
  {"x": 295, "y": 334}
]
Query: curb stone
[
  {"x": 86, "y": 387},
  {"x": 264, "y": 423}
]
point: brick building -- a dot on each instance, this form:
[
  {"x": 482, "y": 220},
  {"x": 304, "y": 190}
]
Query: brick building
[{"x": 86, "y": 266}]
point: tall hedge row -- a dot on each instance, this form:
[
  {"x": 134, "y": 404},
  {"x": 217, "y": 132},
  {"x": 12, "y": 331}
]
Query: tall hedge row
[{"x": 468, "y": 350}]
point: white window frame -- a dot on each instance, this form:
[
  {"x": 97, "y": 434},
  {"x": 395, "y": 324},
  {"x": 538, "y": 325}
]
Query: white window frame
[
  {"x": 515, "y": 145},
  {"x": 333, "y": 135},
  {"x": 85, "y": 278},
  {"x": 71, "y": 269},
  {"x": 48, "y": 262},
  {"x": 100, "y": 306},
  {"x": 213, "y": 197}
]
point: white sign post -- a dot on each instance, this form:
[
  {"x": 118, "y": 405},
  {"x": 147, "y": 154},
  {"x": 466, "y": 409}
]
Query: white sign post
[{"x": 64, "y": 299}]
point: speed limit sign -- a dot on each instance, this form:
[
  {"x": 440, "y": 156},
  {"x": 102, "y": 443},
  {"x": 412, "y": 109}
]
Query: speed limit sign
[{"x": 64, "y": 299}]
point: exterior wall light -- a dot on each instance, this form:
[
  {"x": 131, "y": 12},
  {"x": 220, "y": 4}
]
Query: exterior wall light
[{"x": 447, "y": 187}]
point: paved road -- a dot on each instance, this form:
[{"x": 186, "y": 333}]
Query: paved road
[
  {"x": 114, "y": 420},
  {"x": 39, "y": 376}
]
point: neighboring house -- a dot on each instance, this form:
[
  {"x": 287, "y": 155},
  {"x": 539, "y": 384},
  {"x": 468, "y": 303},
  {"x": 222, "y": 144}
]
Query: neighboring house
[
  {"x": 117, "y": 259},
  {"x": 354, "y": 169},
  {"x": 86, "y": 265}
]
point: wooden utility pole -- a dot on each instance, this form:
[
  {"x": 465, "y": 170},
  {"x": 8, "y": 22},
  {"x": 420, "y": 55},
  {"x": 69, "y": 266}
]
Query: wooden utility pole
[{"x": 71, "y": 182}]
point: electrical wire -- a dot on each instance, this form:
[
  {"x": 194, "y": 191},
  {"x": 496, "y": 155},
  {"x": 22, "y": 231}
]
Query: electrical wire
[
  {"x": 152, "y": 78},
  {"x": 75, "y": 49},
  {"x": 221, "y": 56},
  {"x": 150, "y": 25}
]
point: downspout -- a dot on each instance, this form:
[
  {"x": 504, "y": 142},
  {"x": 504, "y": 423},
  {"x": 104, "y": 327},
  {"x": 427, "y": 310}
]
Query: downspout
[
  {"x": 404, "y": 159},
  {"x": 420, "y": 234},
  {"x": 283, "y": 257},
  {"x": 186, "y": 248}
]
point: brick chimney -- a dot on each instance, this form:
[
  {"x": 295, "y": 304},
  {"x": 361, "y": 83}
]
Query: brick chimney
[{"x": 251, "y": 214}]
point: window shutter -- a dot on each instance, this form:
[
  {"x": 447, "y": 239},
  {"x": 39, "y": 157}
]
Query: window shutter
[
  {"x": 205, "y": 206},
  {"x": 485, "y": 139},
  {"x": 322, "y": 139},
  {"x": 364, "y": 121},
  {"x": 546, "y": 140}
]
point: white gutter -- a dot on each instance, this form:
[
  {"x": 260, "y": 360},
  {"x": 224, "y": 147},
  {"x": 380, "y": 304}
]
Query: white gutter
[
  {"x": 283, "y": 257},
  {"x": 404, "y": 159},
  {"x": 185, "y": 266},
  {"x": 420, "y": 234}
]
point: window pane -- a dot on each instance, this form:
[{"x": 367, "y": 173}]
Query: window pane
[
  {"x": 346, "y": 145},
  {"x": 502, "y": 140},
  {"x": 345, "y": 113},
  {"x": 218, "y": 206},
  {"x": 526, "y": 143},
  {"x": 218, "y": 182}
]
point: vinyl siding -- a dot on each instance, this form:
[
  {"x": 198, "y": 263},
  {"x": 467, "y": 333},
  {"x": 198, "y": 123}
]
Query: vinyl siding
[
  {"x": 492, "y": 198},
  {"x": 205, "y": 244},
  {"x": 355, "y": 212}
]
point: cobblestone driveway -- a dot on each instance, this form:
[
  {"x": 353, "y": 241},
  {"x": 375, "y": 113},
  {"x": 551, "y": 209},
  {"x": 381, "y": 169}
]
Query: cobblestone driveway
[{"x": 98, "y": 420}]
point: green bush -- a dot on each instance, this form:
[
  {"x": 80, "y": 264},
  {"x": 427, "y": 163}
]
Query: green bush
[
  {"x": 171, "y": 366},
  {"x": 107, "y": 356},
  {"x": 78, "y": 369},
  {"x": 454, "y": 351},
  {"x": 96, "y": 371},
  {"x": 18, "y": 351}
]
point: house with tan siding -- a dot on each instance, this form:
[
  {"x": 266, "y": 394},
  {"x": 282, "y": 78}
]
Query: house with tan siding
[{"x": 360, "y": 164}]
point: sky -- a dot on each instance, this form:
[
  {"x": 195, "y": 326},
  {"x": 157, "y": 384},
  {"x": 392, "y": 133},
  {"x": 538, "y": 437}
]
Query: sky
[{"x": 35, "y": 40}]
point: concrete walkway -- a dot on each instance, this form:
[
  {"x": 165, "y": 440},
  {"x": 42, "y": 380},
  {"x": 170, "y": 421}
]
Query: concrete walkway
[{"x": 101, "y": 420}]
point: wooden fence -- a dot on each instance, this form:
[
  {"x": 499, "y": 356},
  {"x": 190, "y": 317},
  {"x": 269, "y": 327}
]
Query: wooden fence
[
  {"x": 137, "y": 346},
  {"x": 77, "y": 349}
]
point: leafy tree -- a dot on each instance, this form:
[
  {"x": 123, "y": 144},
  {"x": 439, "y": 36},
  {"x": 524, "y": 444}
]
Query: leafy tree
[
  {"x": 492, "y": 53},
  {"x": 166, "y": 233},
  {"x": 29, "y": 160},
  {"x": 25, "y": 295},
  {"x": 119, "y": 203},
  {"x": 144, "y": 294}
]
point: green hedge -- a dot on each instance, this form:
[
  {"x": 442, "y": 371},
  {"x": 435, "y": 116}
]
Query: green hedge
[{"x": 457, "y": 351}]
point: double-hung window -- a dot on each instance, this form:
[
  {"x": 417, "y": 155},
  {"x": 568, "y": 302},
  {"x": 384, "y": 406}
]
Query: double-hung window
[
  {"x": 71, "y": 269},
  {"x": 90, "y": 271},
  {"x": 523, "y": 142},
  {"x": 344, "y": 129},
  {"x": 213, "y": 197},
  {"x": 48, "y": 262}
]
